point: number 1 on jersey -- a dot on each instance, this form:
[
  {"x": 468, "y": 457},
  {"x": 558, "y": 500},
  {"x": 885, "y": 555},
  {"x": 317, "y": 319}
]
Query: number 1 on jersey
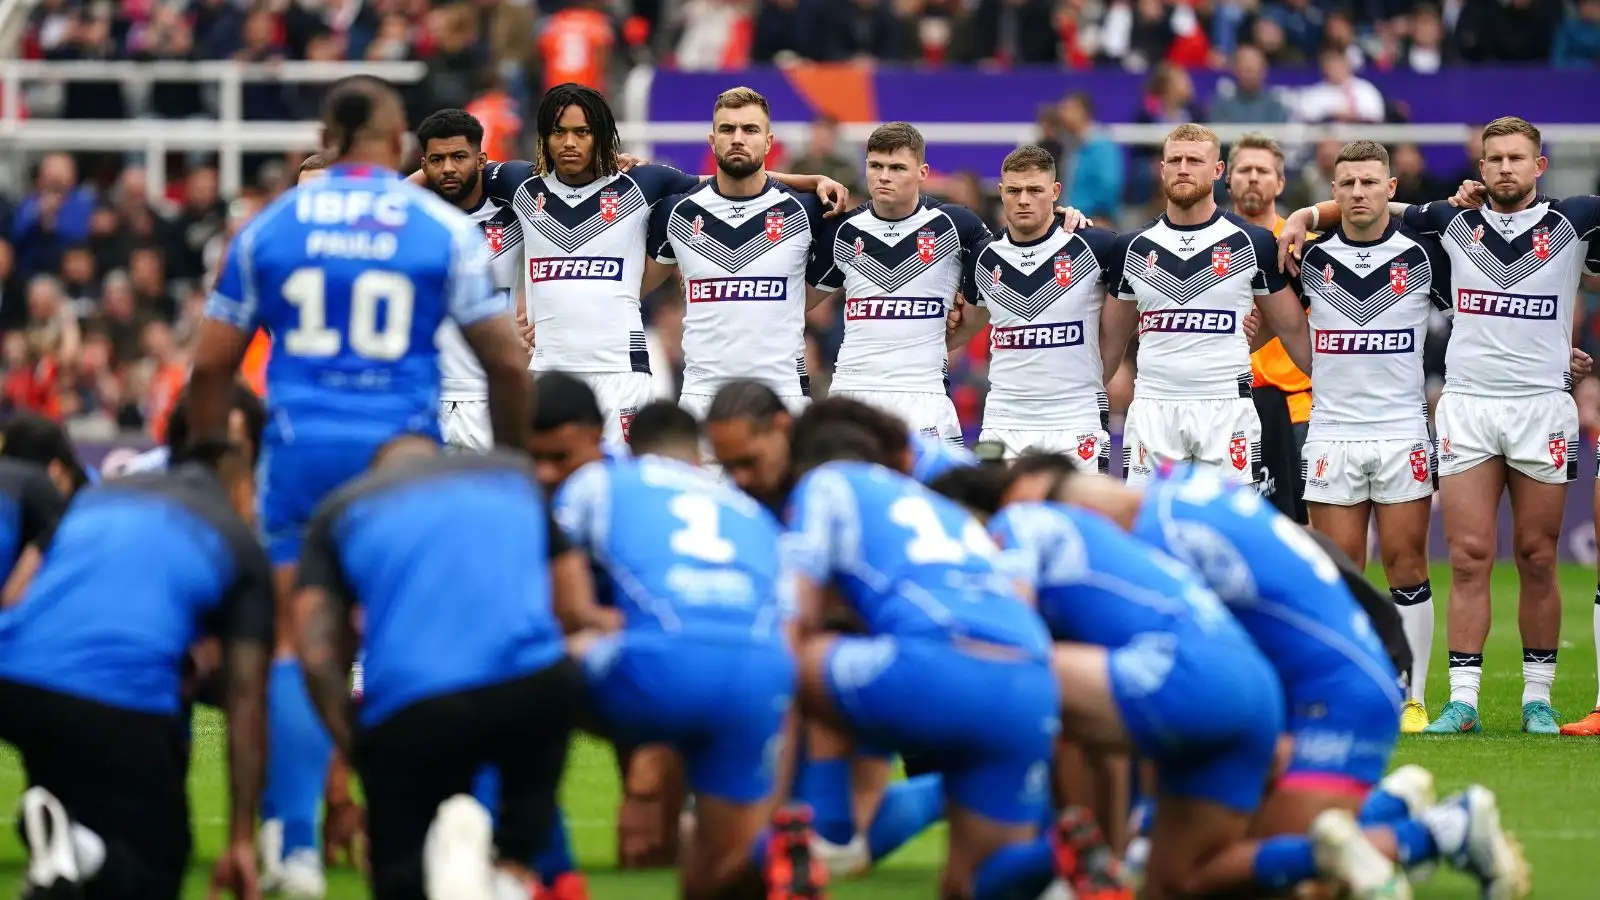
[
  {"x": 371, "y": 291},
  {"x": 701, "y": 535}
]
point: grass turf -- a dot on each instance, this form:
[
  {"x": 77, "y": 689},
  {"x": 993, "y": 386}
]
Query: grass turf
[{"x": 1547, "y": 786}]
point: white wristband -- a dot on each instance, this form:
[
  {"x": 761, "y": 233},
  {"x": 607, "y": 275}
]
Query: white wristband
[{"x": 1316, "y": 219}]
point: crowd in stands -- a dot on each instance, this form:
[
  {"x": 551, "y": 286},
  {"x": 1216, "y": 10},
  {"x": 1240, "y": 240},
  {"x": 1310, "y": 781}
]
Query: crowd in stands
[{"x": 101, "y": 286}]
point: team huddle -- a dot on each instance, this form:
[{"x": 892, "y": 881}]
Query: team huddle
[{"x": 1099, "y": 685}]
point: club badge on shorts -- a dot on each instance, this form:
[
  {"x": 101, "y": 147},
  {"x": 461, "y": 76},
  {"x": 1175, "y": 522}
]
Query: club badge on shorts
[
  {"x": 625, "y": 417},
  {"x": 1086, "y": 447},
  {"x": 1558, "y": 449},
  {"x": 1419, "y": 463},
  {"x": 1238, "y": 451}
]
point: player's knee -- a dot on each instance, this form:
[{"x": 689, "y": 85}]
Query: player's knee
[
  {"x": 1404, "y": 564},
  {"x": 1534, "y": 555},
  {"x": 1471, "y": 556}
]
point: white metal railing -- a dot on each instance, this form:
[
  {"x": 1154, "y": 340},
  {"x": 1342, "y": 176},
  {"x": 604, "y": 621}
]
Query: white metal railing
[{"x": 229, "y": 135}]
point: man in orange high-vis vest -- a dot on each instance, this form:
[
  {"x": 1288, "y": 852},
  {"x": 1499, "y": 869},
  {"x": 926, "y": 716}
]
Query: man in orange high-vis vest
[{"x": 1282, "y": 393}]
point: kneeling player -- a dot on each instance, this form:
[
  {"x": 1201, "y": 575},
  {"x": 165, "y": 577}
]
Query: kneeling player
[
  {"x": 1339, "y": 684},
  {"x": 956, "y": 665},
  {"x": 452, "y": 685},
  {"x": 704, "y": 662},
  {"x": 102, "y": 736}
]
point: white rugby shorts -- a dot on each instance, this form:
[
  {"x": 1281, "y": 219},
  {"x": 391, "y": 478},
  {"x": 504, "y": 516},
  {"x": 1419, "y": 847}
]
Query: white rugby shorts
[
  {"x": 621, "y": 395},
  {"x": 1344, "y": 473},
  {"x": 930, "y": 415},
  {"x": 1089, "y": 446},
  {"x": 1536, "y": 435},
  {"x": 465, "y": 425},
  {"x": 1223, "y": 436}
]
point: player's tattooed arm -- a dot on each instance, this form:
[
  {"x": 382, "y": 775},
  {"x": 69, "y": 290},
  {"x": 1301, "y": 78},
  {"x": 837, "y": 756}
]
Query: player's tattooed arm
[
  {"x": 835, "y": 197},
  {"x": 324, "y": 643}
]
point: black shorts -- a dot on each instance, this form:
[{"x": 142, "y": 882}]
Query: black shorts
[
  {"x": 119, "y": 773},
  {"x": 1280, "y": 482},
  {"x": 431, "y": 750}
]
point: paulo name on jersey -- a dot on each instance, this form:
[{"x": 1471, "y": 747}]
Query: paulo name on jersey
[
  {"x": 900, "y": 278},
  {"x": 585, "y": 261},
  {"x": 460, "y": 375},
  {"x": 1194, "y": 285},
  {"x": 1370, "y": 302},
  {"x": 743, "y": 262},
  {"x": 1044, "y": 298},
  {"x": 1513, "y": 278}
]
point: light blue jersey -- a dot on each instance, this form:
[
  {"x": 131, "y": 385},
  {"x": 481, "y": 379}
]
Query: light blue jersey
[
  {"x": 702, "y": 662},
  {"x": 1173, "y": 646},
  {"x": 1338, "y": 681},
  {"x": 932, "y": 457},
  {"x": 351, "y": 275},
  {"x": 926, "y": 580}
]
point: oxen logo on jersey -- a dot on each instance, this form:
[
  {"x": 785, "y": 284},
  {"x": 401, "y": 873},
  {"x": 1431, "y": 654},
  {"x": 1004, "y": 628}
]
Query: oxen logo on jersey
[
  {"x": 1397, "y": 276},
  {"x": 1558, "y": 449},
  {"x": 608, "y": 206},
  {"x": 1086, "y": 447},
  {"x": 774, "y": 225},
  {"x": 1239, "y": 450},
  {"x": 496, "y": 236},
  {"x": 1419, "y": 463},
  {"x": 1221, "y": 259},
  {"x": 927, "y": 240},
  {"x": 1063, "y": 270},
  {"x": 1541, "y": 242}
]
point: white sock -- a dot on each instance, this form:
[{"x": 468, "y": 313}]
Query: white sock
[
  {"x": 1538, "y": 674},
  {"x": 1416, "y": 617},
  {"x": 90, "y": 850},
  {"x": 1466, "y": 674},
  {"x": 1447, "y": 822}
]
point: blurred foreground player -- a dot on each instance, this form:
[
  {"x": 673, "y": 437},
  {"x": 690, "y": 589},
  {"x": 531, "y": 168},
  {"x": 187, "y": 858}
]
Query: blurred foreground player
[
  {"x": 704, "y": 661},
  {"x": 39, "y": 473},
  {"x": 354, "y": 363},
  {"x": 90, "y": 665},
  {"x": 451, "y": 687},
  {"x": 568, "y": 429}
]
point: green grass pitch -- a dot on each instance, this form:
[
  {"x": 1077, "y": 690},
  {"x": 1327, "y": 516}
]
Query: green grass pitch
[{"x": 1548, "y": 787}]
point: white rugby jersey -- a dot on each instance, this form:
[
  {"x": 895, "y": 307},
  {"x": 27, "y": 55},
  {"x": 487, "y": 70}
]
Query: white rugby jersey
[
  {"x": 585, "y": 261},
  {"x": 1370, "y": 302},
  {"x": 1513, "y": 280},
  {"x": 900, "y": 279},
  {"x": 1194, "y": 285},
  {"x": 743, "y": 262},
  {"x": 1044, "y": 298},
  {"x": 460, "y": 375}
]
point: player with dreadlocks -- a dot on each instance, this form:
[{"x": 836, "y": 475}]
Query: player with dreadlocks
[{"x": 584, "y": 221}]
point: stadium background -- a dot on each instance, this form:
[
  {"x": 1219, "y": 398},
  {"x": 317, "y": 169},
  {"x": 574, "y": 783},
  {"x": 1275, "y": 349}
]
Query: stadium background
[{"x": 136, "y": 137}]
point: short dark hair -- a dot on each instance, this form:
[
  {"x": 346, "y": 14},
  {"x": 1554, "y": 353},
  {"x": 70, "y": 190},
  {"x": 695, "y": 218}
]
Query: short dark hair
[
  {"x": 745, "y": 398},
  {"x": 892, "y": 436},
  {"x": 450, "y": 123},
  {"x": 1029, "y": 158},
  {"x": 1034, "y": 462},
  {"x": 1363, "y": 151},
  {"x": 348, "y": 107},
  {"x": 892, "y": 136},
  {"x": 32, "y": 438},
  {"x": 316, "y": 162},
  {"x": 813, "y": 447},
  {"x": 244, "y": 400},
  {"x": 663, "y": 425},
  {"x": 978, "y": 488},
  {"x": 563, "y": 399}
]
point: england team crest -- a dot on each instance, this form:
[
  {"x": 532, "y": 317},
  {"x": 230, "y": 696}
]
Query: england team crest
[
  {"x": 1397, "y": 276},
  {"x": 1221, "y": 259},
  {"x": 1063, "y": 270},
  {"x": 1419, "y": 463},
  {"x": 926, "y": 242},
  {"x": 625, "y": 419},
  {"x": 496, "y": 236},
  {"x": 774, "y": 225},
  {"x": 1541, "y": 243},
  {"x": 1086, "y": 447},
  {"x": 1238, "y": 448},
  {"x": 1558, "y": 449},
  {"x": 697, "y": 229},
  {"x": 608, "y": 206}
]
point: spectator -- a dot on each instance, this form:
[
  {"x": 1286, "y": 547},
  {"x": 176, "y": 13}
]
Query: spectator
[
  {"x": 715, "y": 35},
  {"x": 170, "y": 38},
  {"x": 1578, "y": 39},
  {"x": 575, "y": 44},
  {"x": 1413, "y": 184},
  {"x": 823, "y": 156},
  {"x": 78, "y": 281},
  {"x": 1246, "y": 99},
  {"x": 1509, "y": 31},
  {"x": 89, "y": 39},
  {"x": 1340, "y": 96},
  {"x": 1012, "y": 32},
  {"x": 54, "y": 216},
  {"x": 1267, "y": 34},
  {"x": 1301, "y": 22},
  {"x": 147, "y": 274},
  {"x": 1429, "y": 48},
  {"x": 784, "y": 32},
  {"x": 201, "y": 217},
  {"x": 858, "y": 29},
  {"x": 1090, "y": 164},
  {"x": 13, "y": 303},
  {"x": 1338, "y": 31}
]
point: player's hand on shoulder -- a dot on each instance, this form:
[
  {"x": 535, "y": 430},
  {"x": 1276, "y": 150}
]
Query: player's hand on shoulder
[
  {"x": 835, "y": 197},
  {"x": 235, "y": 873},
  {"x": 1073, "y": 220},
  {"x": 1470, "y": 195},
  {"x": 1252, "y": 325},
  {"x": 952, "y": 320},
  {"x": 1582, "y": 364},
  {"x": 1291, "y": 239},
  {"x": 627, "y": 161},
  {"x": 525, "y": 329}
]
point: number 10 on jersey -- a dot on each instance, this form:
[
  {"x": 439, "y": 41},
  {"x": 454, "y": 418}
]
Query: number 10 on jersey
[{"x": 375, "y": 295}]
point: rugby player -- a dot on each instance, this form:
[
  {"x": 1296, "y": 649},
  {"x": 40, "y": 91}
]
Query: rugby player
[
  {"x": 352, "y": 275},
  {"x": 1506, "y": 420},
  {"x": 247, "y": 418},
  {"x": 713, "y": 594},
  {"x": 899, "y": 260},
  {"x": 1280, "y": 391},
  {"x": 950, "y": 633},
  {"x": 495, "y": 687},
  {"x": 1044, "y": 290},
  {"x": 452, "y": 164},
  {"x": 107, "y": 811},
  {"x": 1191, "y": 397},
  {"x": 1371, "y": 284},
  {"x": 584, "y": 223},
  {"x": 745, "y": 247},
  {"x": 568, "y": 429},
  {"x": 1339, "y": 684}
]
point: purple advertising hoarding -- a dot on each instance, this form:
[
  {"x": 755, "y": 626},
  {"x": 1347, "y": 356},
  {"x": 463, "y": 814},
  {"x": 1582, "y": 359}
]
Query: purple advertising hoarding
[{"x": 1457, "y": 96}]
